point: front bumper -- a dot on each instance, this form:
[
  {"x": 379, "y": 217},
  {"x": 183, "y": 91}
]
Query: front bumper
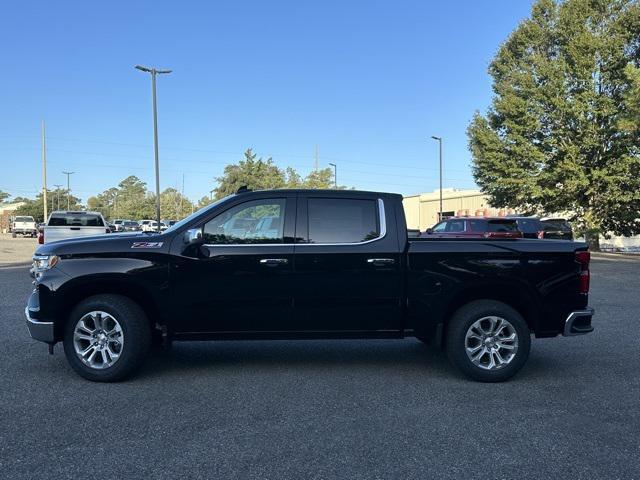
[
  {"x": 578, "y": 322},
  {"x": 38, "y": 329}
]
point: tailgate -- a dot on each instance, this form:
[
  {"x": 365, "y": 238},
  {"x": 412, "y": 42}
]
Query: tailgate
[{"x": 53, "y": 234}]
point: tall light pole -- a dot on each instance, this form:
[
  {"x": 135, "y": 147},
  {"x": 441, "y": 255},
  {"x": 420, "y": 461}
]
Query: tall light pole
[
  {"x": 335, "y": 174},
  {"x": 153, "y": 71},
  {"x": 68, "y": 174},
  {"x": 44, "y": 172},
  {"x": 439, "y": 139},
  {"x": 57, "y": 196}
]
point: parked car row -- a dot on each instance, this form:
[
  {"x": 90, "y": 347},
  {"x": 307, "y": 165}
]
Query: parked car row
[
  {"x": 502, "y": 227},
  {"x": 121, "y": 225},
  {"x": 69, "y": 224}
]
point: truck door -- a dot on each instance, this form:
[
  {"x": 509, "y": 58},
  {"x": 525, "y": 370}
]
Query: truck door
[
  {"x": 348, "y": 271},
  {"x": 240, "y": 279}
]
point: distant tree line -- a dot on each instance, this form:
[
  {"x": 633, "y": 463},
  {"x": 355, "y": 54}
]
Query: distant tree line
[{"x": 131, "y": 199}]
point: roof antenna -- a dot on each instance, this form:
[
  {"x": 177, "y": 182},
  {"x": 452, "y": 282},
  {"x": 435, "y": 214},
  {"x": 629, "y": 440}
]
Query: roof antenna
[{"x": 242, "y": 189}]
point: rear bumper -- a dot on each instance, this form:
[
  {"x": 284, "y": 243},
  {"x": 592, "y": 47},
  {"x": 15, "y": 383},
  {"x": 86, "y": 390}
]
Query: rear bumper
[
  {"x": 578, "y": 322},
  {"x": 22, "y": 231},
  {"x": 40, "y": 330}
]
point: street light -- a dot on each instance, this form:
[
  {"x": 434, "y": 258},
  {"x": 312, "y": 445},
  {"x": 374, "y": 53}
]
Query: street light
[
  {"x": 153, "y": 71},
  {"x": 335, "y": 174},
  {"x": 68, "y": 174},
  {"x": 439, "y": 139}
]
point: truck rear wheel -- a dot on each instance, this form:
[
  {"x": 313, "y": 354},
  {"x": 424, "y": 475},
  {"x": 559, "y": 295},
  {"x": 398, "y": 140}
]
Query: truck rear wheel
[
  {"x": 107, "y": 337},
  {"x": 488, "y": 341}
]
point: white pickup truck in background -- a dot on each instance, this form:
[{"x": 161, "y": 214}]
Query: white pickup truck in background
[
  {"x": 24, "y": 225},
  {"x": 63, "y": 225}
]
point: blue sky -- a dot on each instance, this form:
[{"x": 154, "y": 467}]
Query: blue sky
[{"x": 369, "y": 82}]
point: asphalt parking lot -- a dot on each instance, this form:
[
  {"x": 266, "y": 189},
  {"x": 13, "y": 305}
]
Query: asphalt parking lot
[{"x": 329, "y": 409}]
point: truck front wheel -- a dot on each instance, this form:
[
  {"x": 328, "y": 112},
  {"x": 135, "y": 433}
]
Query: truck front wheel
[
  {"x": 488, "y": 341},
  {"x": 107, "y": 337}
]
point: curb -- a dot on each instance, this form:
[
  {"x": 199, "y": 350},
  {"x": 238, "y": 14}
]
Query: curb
[
  {"x": 4, "y": 266},
  {"x": 617, "y": 256}
]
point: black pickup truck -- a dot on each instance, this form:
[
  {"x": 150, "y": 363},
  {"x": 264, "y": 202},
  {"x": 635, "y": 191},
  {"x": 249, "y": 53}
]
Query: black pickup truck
[{"x": 285, "y": 264}]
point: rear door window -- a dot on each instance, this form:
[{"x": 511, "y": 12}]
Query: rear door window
[
  {"x": 556, "y": 225},
  {"x": 529, "y": 225},
  {"x": 477, "y": 225},
  {"x": 502, "y": 226},
  {"x": 75, "y": 219},
  {"x": 342, "y": 220}
]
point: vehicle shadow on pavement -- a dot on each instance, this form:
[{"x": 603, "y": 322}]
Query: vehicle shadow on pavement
[{"x": 406, "y": 354}]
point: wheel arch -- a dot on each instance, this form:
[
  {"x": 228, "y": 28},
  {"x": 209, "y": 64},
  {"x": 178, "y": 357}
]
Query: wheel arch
[
  {"x": 82, "y": 289},
  {"x": 516, "y": 296}
]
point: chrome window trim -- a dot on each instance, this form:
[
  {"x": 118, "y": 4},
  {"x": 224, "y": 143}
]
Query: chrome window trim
[{"x": 383, "y": 233}]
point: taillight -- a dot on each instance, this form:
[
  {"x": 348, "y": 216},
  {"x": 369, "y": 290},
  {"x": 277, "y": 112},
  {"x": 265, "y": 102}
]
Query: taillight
[
  {"x": 583, "y": 258},
  {"x": 41, "y": 238},
  {"x": 541, "y": 234}
]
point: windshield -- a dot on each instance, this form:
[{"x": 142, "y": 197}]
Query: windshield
[{"x": 186, "y": 220}]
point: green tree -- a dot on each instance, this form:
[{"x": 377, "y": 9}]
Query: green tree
[
  {"x": 35, "y": 207},
  {"x": 4, "y": 196},
  {"x": 204, "y": 201},
  {"x": 174, "y": 205},
  {"x": 259, "y": 174},
  {"x": 252, "y": 172},
  {"x": 129, "y": 200},
  {"x": 630, "y": 121},
  {"x": 551, "y": 141},
  {"x": 322, "y": 178}
]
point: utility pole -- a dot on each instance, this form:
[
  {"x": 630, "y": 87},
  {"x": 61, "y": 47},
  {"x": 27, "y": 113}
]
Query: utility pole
[
  {"x": 68, "y": 174},
  {"x": 211, "y": 193},
  {"x": 44, "y": 172},
  {"x": 57, "y": 196},
  {"x": 439, "y": 139},
  {"x": 335, "y": 174},
  {"x": 153, "y": 71},
  {"x": 317, "y": 165}
]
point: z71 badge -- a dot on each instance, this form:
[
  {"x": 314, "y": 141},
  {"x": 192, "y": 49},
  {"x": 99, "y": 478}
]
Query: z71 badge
[{"x": 146, "y": 244}]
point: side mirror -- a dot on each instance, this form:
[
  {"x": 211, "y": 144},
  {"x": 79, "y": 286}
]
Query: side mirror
[
  {"x": 193, "y": 236},
  {"x": 429, "y": 231}
]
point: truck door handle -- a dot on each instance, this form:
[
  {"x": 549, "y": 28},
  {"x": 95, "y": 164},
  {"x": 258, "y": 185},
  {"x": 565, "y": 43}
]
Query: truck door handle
[
  {"x": 273, "y": 262},
  {"x": 381, "y": 262}
]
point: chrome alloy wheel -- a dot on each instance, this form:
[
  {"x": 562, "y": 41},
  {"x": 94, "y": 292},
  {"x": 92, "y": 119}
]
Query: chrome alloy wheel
[
  {"x": 491, "y": 343},
  {"x": 98, "y": 340}
]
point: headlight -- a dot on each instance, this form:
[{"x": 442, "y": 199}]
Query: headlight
[{"x": 43, "y": 263}]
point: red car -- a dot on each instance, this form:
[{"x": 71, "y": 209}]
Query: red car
[{"x": 475, "y": 227}]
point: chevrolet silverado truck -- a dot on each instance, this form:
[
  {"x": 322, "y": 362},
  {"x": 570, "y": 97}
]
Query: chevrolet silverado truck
[
  {"x": 302, "y": 264},
  {"x": 24, "y": 225}
]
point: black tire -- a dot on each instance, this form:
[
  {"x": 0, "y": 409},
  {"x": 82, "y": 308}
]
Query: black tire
[
  {"x": 462, "y": 321},
  {"x": 135, "y": 329}
]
